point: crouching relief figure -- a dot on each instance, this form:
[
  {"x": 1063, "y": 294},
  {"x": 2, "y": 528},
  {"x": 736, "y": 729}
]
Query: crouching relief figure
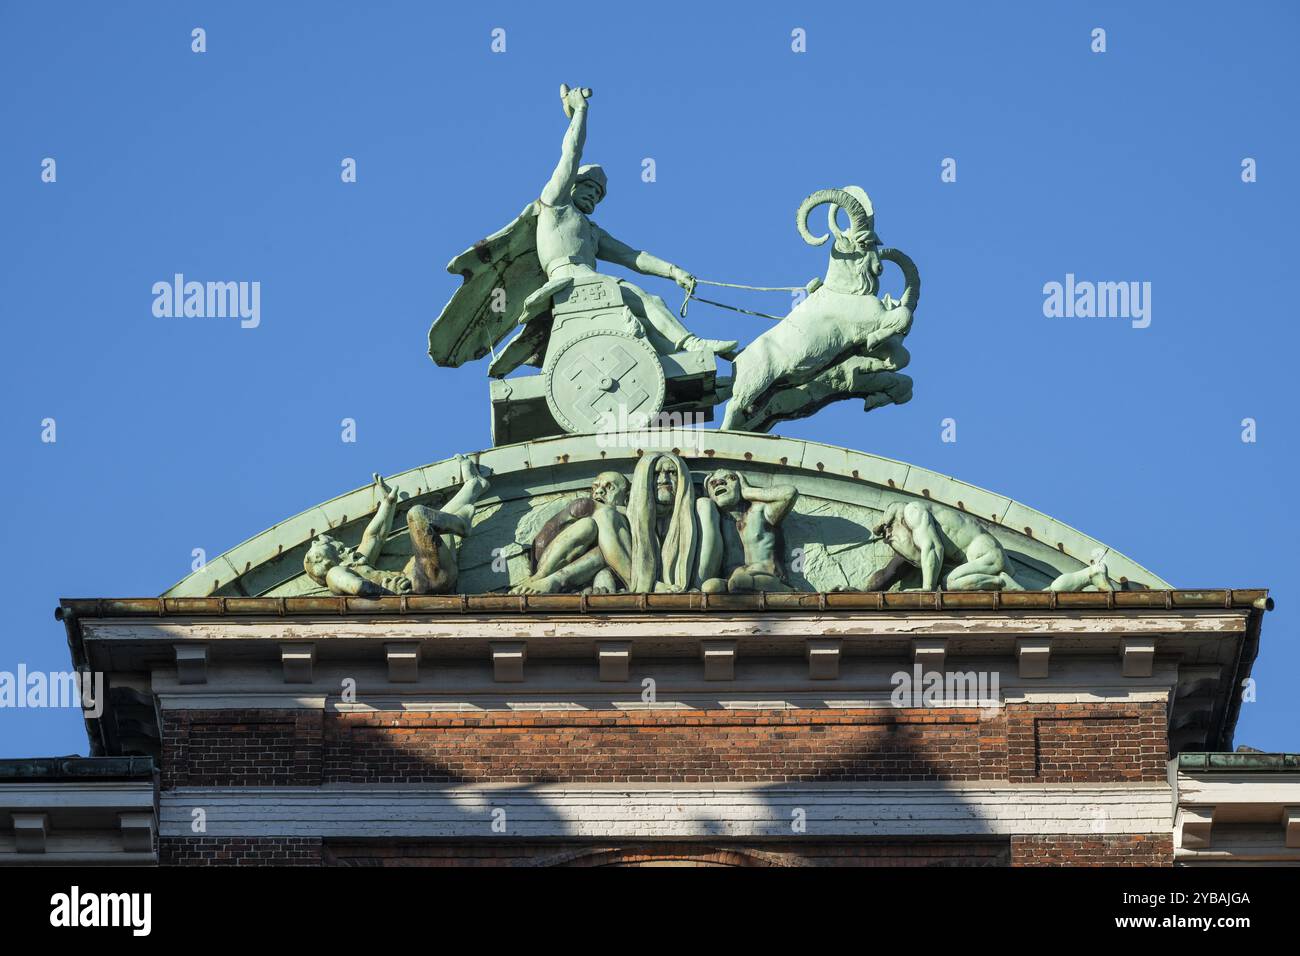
[
  {"x": 756, "y": 514},
  {"x": 642, "y": 535}
]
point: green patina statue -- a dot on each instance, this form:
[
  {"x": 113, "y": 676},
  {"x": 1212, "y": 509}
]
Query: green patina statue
[
  {"x": 611, "y": 351},
  {"x": 613, "y": 360},
  {"x": 432, "y": 568},
  {"x": 664, "y": 514},
  {"x": 842, "y": 341},
  {"x": 928, "y": 536},
  {"x": 552, "y": 243},
  {"x": 1095, "y": 575},
  {"x": 646, "y": 533},
  {"x": 756, "y": 514},
  {"x": 586, "y": 546}
]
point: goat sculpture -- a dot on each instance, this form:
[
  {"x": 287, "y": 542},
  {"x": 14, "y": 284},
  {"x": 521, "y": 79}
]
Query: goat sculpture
[{"x": 842, "y": 341}]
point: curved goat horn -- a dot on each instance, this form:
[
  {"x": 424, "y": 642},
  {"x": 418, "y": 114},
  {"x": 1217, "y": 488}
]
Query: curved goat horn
[
  {"x": 859, "y": 219},
  {"x": 833, "y": 220}
]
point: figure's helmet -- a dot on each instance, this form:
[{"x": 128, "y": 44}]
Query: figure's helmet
[{"x": 593, "y": 173}]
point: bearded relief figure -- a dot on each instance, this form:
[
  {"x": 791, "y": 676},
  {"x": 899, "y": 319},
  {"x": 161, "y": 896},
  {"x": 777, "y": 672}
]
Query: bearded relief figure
[{"x": 665, "y": 519}]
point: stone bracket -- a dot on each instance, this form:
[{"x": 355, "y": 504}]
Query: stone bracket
[
  {"x": 137, "y": 832},
  {"x": 508, "y": 661},
  {"x": 1197, "y": 825},
  {"x": 191, "y": 663},
  {"x": 403, "y": 659},
  {"x": 824, "y": 658},
  {"x": 719, "y": 659},
  {"x": 614, "y": 658},
  {"x": 930, "y": 653},
  {"x": 298, "y": 661},
  {"x": 1034, "y": 655},
  {"x": 1138, "y": 654},
  {"x": 30, "y": 832}
]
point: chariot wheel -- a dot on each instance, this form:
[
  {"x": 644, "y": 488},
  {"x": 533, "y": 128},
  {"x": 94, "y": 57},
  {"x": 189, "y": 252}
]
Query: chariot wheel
[{"x": 604, "y": 380}]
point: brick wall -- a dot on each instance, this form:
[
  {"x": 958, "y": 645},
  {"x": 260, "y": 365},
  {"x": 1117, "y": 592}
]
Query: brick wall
[
  {"x": 241, "y": 748},
  {"x": 1022, "y": 743},
  {"x": 797, "y": 853},
  {"x": 665, "y": 746},
  {"x": 1133, "y": 849},
  {"x": 1087, "y": 743},
  {"x": 238, "y": 851}
]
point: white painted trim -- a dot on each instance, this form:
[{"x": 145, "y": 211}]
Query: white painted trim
[
  {"x": 1237, "y": 853},
  {"x": 111, "y": 795},
  {"x": 85, "y": 822},
  {"x": 668, "y": 812},
  {"x": 417, "y": 703},
  {"x": 78, "y": 846},
  {"x": 240, "y": 701},
  {"x": 552, "y": 683},
  {"x": 867, "y": 627},
  {"x": 424, "y": 703},
  {"x": 1234, "y": 789},
  {"x": 74, "y": 855}
]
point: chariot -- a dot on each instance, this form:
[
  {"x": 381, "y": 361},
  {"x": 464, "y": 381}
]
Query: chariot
[{"x": 597, "y": 369}]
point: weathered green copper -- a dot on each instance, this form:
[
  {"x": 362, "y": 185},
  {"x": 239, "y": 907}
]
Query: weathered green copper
[
  {"x": 615, "y": 506},
  {"x": 827, "y": 536},
  {"x": 927, "y": 537},
  {"x": 589, "y": 541},
  {"x": 526, "y": 274},
  {"x": 740, "y": 550},
  {"x": 842, "y": 341},
  {"x": 1239, "y": 762},
  {"x": 431, "y": 533}
]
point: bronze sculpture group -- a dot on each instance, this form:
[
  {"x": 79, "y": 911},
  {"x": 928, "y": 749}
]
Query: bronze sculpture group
[{"x": 606, "y": 345}]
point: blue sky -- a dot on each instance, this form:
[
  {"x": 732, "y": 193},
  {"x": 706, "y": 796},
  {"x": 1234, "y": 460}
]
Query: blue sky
[{"x": 175, "y": 434}]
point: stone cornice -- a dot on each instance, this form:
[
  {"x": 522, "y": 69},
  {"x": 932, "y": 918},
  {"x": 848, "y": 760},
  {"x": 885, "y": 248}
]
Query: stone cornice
[{"x": 910, "y": 601}]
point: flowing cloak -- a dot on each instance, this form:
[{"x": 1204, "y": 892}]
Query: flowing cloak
[{"x": 504, "y": 287}]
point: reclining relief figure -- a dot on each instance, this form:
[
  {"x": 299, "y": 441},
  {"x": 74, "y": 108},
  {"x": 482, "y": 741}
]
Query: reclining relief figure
[
  {"x": 1095, "y": 575},
  {"x": 432, "y": 568}
]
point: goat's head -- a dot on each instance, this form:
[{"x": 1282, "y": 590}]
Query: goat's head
[{"x": 855, "y": 265}]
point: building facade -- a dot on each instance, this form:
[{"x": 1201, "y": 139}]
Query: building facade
[{"x": 254, "y": 717}]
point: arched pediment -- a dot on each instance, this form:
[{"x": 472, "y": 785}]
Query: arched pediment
[{"x": 841, "y": 494}]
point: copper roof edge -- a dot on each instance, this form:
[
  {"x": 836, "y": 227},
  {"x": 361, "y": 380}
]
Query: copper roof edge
[{"x": 916, "y": 601}]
